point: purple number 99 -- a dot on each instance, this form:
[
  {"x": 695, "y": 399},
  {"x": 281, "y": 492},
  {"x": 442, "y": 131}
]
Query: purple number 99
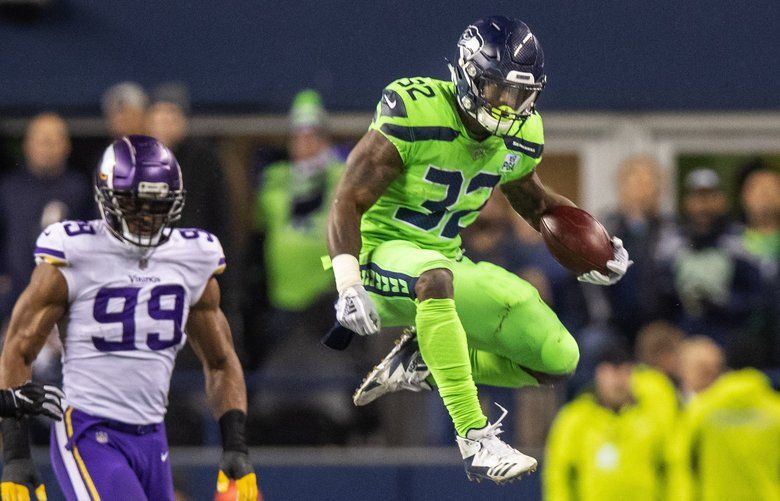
[
  {"x": 158, "y": 313},
  {"x": 126, "y": 317},
  {"x": 129, "y": 296},
  {"x": 74, "y": 228}
]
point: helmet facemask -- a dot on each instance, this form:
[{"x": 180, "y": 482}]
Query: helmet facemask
[
  {"x": 502, "y": 104},
  {"x": 144, "y": 219}
]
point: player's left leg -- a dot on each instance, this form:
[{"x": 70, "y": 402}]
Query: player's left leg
[
  {"x": 515, "y": 339},
  {"x": 154, "y": 470}
]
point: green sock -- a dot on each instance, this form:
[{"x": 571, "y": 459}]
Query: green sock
[
  {"x": 445, "y": 350},
  {"x": 494, "y": 370}
]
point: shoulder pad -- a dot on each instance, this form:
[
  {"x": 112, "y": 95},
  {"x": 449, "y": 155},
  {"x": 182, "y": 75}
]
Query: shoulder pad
[
  {"x": 53, "y": 243},
  {"x": 208, "y": 245},
  {"x": 530, "y": 138},
  {"x": 50, "y": 246}
]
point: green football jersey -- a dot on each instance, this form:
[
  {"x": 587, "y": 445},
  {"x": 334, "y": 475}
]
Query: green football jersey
[{"x": 448, "y": 176}]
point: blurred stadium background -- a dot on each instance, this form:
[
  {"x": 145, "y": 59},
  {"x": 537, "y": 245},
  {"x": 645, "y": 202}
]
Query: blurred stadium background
[{"x": 640, "y": 96}]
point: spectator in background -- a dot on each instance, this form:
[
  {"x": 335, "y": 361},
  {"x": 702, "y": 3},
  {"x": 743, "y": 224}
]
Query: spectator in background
[
  {"x": 39, "y": 193},
  {"x": 124, "y": 108},
  {"x": 657, "y": 350},
  {"x": 711, "y": 283},
  {"x": 701, "y": 363},
  {"x": 761, "y": 205},
  {"x": 207, "y": 191},
  {"x": 760, "y": 196},
  {"x": 728, "y": 444},
  {"x": 42, "y": 191},
  {"x": 292, "y": 210},
  {"x": 608, "y": 444},
  {"x": 658, "y": 346},
  {"x": 638, "y": 220}
]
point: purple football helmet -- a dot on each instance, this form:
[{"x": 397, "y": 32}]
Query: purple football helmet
[{"x": 140, "y": 190}]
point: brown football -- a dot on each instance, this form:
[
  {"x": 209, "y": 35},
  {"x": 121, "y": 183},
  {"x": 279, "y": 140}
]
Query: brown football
[{"x": 576, "y": 239}]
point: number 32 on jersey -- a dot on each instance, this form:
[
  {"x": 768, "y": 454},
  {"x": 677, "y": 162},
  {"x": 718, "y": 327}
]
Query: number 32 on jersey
[{"x": 440, "y": 209}]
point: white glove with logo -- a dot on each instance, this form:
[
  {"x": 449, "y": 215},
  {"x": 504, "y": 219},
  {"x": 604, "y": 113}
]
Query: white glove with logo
[
  {"x": 617, "y": 267},
  {"x": 356, "y": 311}
]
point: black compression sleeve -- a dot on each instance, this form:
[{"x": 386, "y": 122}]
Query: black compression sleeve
[
  {"x": 232, "y": 424},
  {"x": 16, "y": 439}
]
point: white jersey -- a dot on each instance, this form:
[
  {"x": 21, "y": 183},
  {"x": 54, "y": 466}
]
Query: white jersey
[{"x": 128, "y": 309}]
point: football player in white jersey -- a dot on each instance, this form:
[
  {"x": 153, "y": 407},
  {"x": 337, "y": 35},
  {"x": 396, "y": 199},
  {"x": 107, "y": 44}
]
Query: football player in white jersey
[{"x": 127, "y": 291}]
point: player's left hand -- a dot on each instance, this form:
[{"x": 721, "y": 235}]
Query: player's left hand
[
  {"x": 236, "y": 469},
  {"x": 20, "y": 479},
  {"x": 617, "y": 267}
]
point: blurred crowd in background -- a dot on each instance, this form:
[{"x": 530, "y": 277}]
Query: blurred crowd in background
[{"x": 677, "y": 360}]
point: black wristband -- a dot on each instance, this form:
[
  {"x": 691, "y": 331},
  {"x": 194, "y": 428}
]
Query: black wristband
[
  {"x": 232, "y": 424},
  {"x": 16, "y": 439}
]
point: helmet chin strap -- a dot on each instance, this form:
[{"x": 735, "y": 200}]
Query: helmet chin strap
[
  {"x": 133, "y": 238},
  {"x": 495, "y": 126}
]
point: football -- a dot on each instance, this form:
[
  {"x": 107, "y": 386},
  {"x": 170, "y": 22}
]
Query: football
[{"x": 576, "y": 239}]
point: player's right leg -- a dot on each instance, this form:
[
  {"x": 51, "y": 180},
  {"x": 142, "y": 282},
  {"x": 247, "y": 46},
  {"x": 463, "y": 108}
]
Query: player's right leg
[
  {"x": 87, "y": 462},
  {"x": 413, "y": 285}
]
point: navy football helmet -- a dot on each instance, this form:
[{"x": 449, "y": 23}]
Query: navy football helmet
[
  {"x": 498, "y": 73},
  {"x": 140, "y": 191}
]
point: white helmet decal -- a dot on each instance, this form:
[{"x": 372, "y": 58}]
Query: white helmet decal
[{"x": 470, "y": 43}]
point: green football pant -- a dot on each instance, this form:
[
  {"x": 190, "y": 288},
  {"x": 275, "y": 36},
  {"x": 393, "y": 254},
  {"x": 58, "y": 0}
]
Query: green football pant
[{"x": 508, "y": 327}]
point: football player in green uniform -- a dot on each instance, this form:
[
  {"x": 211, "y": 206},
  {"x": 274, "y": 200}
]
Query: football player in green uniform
[{"x": 431, "y": 158}]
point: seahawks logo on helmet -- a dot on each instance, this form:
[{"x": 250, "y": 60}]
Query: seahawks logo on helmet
[{"x": 470, "y": 43}]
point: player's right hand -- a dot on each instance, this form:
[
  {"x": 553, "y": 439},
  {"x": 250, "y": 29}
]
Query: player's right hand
[
  {"x": 356, "y": 311},
  {"x": 21, "y": 481},
  {"x": 32, "y": 399}
]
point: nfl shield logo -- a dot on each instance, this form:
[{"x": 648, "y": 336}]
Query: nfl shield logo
[{"x": 509, "y": 163}]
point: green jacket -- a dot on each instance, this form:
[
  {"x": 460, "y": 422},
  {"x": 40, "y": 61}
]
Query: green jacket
[
  {"x": 292, "y": 210},
  {"x": 728, "y": 443},
  {"x": 596, "y": 454}
]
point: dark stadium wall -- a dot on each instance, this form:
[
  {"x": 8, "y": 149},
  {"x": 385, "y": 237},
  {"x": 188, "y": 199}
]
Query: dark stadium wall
[{"x": 253, "y": 56}]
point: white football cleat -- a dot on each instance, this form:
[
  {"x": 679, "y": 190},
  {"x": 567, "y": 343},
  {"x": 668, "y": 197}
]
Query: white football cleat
[
  {"x": 402, "y": 369},
  {"x": 487, "y": 456}
]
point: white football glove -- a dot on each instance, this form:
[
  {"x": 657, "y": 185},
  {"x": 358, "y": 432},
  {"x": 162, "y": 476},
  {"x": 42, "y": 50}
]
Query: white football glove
[
  {"x": 356, "y": 311},
  {"x": 617, "y": 267}
]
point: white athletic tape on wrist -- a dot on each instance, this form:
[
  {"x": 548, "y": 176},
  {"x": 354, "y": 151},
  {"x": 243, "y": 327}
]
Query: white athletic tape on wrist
[{"x": 346, "y": 269}]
